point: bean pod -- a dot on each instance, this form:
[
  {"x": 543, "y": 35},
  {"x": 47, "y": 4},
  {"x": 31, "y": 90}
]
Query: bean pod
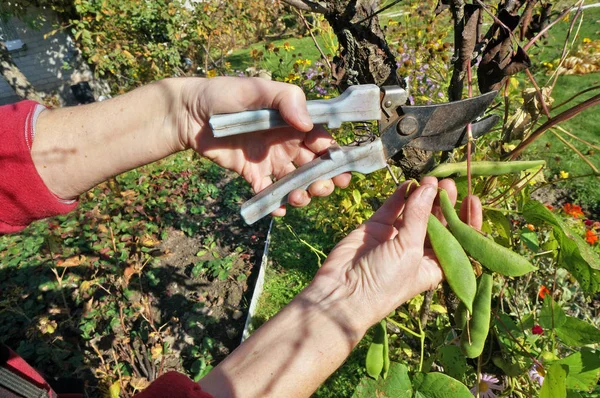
[
  {"x": 454, "y": 262},
  {"x": 375, "y": 356},
  {"x": 485, "y": 168},
  {"x": 491, "y": 255},
  {"x": 472, "y": 341}
]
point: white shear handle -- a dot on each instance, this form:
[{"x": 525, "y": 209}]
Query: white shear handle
[
  {"x": 356, "y": 104},
  {"x": 363, "y": 159}
]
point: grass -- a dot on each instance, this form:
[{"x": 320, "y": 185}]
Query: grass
[
  {"x": 586, "y": 125},
  {"x": 304, "y": 47}
]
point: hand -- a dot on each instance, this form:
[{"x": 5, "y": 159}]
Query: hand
[
  {"x": 386, "y": 261},
  {"x": 258, "y": 156}
]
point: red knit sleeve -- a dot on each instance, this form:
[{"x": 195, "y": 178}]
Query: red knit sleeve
[
  {"x": 24, "y": 197},
  {"x": 173, "y": 385}
]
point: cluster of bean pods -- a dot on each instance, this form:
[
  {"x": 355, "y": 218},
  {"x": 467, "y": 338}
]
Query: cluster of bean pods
[{"x": 451, "y": 246}]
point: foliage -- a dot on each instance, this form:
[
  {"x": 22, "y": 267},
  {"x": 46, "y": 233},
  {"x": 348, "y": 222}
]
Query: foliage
[
  {"x": 135, "y": 42},
  {"x": 89, "y": 294}
]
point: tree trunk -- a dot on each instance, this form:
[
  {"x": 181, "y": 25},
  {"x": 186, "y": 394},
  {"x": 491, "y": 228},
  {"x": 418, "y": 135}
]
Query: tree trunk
[
  {"x": 366, "y": 58},
  {"x": 15, "y": 78}
]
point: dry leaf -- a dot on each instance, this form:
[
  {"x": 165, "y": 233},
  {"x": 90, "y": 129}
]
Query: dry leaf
[
  {"x": 128, "y": 273},
  {"x": 72, "y": 261},
  {"x": 156, "y": 351},
  {"x": 139, "y": 383},
  {"x": 128, "y": 194},
  {"x": 150, "y": 241}
]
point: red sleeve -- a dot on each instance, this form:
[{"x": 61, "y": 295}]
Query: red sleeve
[
  {"x": 24, "y": 197},
  {"x": 173, "y": 385}
]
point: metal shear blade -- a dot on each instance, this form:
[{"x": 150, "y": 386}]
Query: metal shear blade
[
  {"x": 434, "y": 126},
  {"x": 447, "y": 141}
]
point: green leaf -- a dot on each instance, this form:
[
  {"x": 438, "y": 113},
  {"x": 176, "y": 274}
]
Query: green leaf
[
  {"x": 555, "y": 382},
  {"x": 530, "y": 239},
  {"x": 439, "y": 385},
  {"x": 550, "y": 310},
  {"x": 576, "y": 255},
  {"x": 576, "y": 333},
  {"x": 573, "y": 394},
  {"x": 198, "y": 268},
  {"x": 502, "y": 226},
  {"x": 453, "y": 361},
  {"x": 584, "y": 369},
  {"x": 397, "y": 384}
]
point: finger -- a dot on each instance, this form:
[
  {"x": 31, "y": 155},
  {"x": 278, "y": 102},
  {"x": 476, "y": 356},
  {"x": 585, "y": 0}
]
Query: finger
[
  {"x": 471, "y": 209},
  {"x": 279, "y": 212},
  {"x": 450, "y": 187},
  {"x": 284, "y": 170},
  {"x": 392, "y": 207},
  {"x": 343, "y": 180},
  {"x": 321, "y": 188},
  {"x": 412, "y": 227},
  {"x": 256, "y": 93},
  {"x": 318, "y": 140},
  {"x": 304, "y": 155},
  {"x": 412, "y": 187},
  {"x": 261, "y": 183},
  {"x": 299, "y": 198}
]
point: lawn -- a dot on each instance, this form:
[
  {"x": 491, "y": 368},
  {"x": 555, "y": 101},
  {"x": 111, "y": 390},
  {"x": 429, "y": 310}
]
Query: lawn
[{"x": 586, "y": 125}]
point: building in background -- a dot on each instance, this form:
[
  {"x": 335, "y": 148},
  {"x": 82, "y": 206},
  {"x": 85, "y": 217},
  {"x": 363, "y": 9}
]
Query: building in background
[{"x": 52, "y": 64}]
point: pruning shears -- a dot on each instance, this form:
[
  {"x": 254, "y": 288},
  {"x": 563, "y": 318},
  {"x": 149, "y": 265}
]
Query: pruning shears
[{"x": 437, "y": 127}]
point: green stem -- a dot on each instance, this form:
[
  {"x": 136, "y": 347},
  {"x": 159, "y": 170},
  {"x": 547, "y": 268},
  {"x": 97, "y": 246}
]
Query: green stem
[
  {"x": 316, "y": 251},
  {"x": 491, "y": 208},
  {"x": 407, "y": 330},
  {"x": 422, "y": 338}
]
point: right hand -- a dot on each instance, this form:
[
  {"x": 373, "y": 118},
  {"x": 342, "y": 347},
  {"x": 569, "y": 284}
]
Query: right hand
[{"x": 261, "y": 155}]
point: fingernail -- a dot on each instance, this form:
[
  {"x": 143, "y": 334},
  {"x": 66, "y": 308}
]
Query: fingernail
[{"x": 429, "y": 192}]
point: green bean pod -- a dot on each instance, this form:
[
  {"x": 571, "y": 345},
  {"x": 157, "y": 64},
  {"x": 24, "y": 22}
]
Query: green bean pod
[
  {"x": 485, "y": 168},
  {"x": 375, "y": 355},
  {"x": 491, "y": 255},
  {"x": 460, "y": 316},
  {"x": 480, "y": 321},
  {"x": 386, "y": 349},
  {"x": 454, "y": 262}
]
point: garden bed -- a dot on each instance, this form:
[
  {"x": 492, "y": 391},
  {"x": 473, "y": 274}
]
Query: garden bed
[{"x": 153, "y": 272}]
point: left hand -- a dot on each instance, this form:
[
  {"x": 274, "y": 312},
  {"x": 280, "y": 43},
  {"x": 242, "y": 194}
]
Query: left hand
[
  {"x": 258, "y": 156},
  {"x": 386, "y": 261}
]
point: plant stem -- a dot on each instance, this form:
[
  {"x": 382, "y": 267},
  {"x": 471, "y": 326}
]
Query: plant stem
[
  {"x": 562, "y": 117},
  {"x": 407, "y": 330},
  {"x": 301, "y": 15}
]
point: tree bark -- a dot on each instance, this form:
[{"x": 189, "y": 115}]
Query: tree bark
[
  {"x": 366, "y": 58},
  {"x": 15, "y": 78}
]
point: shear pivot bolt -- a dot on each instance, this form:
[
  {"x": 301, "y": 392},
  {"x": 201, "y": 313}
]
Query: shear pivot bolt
[
  {"x": 387, "y": 103},
  {"x": 408, "y": 126}
]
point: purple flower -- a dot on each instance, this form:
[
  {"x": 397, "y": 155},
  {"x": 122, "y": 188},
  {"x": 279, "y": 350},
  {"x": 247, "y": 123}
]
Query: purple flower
[
  {"x": 487, "y": 385},
  {"x": 537, "y": 373}
]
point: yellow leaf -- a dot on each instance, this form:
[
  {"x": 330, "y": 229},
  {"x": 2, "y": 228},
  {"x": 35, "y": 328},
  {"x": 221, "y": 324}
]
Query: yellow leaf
[
  {"x": 356, "y": 195},
  {"x": 346, "y": 204},
  {"x": 51, "y": 327},
  {"x": 114, "y": 390},
  {"x": 440, "y": 309},
  {"x": 156, "y": 351}
]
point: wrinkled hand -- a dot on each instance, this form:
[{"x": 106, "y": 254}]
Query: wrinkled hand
[
  {"x": 259, "y": 156},
  {"x": 387, "y": 261}
]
